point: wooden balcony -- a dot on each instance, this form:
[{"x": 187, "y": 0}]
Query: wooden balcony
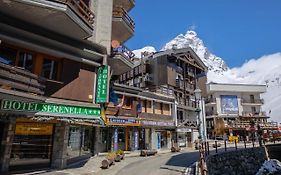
[
  {"x": 17, "y": 79},
  {"x": 72, "y": 18},
  {"x": 252, "y": 101},
  {"x": 121, "y": 60},
  {"x": 123, "y": 26},
  {"x": 126, "y": 4},
  {"x": 125, "y": 112},
  {"x": 160, "y": 117}
]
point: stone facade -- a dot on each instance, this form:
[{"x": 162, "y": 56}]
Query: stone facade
[
  {"x": 7, "y": 142},
  {"x": 246, "y": 161},
  {"x": 59, "y": 158}
]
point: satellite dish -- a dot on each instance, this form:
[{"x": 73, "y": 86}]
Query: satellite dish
[{"x": 115, "y": 44}]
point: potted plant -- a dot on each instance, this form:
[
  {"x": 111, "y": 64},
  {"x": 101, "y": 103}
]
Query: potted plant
[
  {"x": 120, "y": 154},
  {"x": 111, "y": 156}
]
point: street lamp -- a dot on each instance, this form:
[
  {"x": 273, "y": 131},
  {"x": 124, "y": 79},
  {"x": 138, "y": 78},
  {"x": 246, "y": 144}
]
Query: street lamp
[{"x": 198, "y": 110}]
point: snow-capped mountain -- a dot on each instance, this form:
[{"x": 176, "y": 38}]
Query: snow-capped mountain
[
  {"x": 263, "y": 70},
  {"x": 190, "y": 39}
]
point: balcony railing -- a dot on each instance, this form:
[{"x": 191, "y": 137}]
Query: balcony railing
[
  {"x": 189, "y": 87},
  {"x": 128, "y": 54},
  {"x": 150, "y": 116},
  {"x": 120, "y": 12},
  {"x": 247, "y": 124},
  {"x": 18, "y": 79},
  {"x": 254, "y": 114},
  {"x": 253, "y": 101},
  {"x": 210, "y": 113},
  {"x": 179, "y": 83},
  {"x": 210, "y": 100},
  {"x": 81, "y": 9}
]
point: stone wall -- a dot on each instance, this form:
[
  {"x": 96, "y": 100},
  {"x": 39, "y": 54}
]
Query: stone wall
[
  {"x": 7, "y": 141},
  {"x": 245, "y": 161},
  {"x": 59, "y": 158}
]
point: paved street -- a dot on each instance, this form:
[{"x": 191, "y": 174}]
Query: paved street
[{"x": 162, "y": 164}]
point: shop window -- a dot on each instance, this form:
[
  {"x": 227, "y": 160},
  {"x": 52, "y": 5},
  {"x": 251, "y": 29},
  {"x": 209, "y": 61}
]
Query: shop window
[
  {"x": 50, "y": 69},
  {"x": 25, "y": 60},
  {"x": 166, "y": 109},
  {"x": 79, "y": 141},
  {"x": 128, "y": 103},
  {"x": 149, "y": 107},
  {"x": 7, "y": 55}
]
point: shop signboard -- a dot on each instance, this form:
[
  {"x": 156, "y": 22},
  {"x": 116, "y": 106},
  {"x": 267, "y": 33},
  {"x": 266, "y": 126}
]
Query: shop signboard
[
  {"x": 157, "y": 123},
  {"x": 52, "y": 108},
  {"x": 183, "y": 130},
  {"x": 102, "y": 87},
  {"x": 34, "y": 129},
  {"x": 229, "y": 104},
  {"x": 111, "y": 120}
]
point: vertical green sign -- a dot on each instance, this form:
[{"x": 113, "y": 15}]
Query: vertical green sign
[{"x": 102, "y": 84}]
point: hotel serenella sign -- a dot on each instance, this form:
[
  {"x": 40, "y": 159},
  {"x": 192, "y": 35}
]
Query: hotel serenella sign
[{"x": 13, "y": 105}]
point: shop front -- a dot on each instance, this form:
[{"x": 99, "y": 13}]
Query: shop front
[
  {"x": 160, "y": 133},
  {"x": 42, "y": 129},
  {"x": 121, "y": 133},
  {"x": 184, "y": 137},
  {"x": 32, "y": 144}
]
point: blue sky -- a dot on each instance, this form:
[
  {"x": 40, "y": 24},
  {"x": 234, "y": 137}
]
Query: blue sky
[{"x": 236, "y": 30}]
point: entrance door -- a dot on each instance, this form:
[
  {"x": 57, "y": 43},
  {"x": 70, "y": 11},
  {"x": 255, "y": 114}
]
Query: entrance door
[{"x": 158, "y": 146}]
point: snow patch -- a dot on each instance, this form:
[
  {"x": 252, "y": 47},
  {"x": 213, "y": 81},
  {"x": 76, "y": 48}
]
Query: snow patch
[
  {"x": 148, "y": 49},
  {"x": 270, "y": 167}
]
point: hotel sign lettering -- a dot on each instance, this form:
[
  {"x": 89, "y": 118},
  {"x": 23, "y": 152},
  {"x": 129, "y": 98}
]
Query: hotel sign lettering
[
  {"x": 102, "y": 84},
  {"x": 13, "y": 105}
]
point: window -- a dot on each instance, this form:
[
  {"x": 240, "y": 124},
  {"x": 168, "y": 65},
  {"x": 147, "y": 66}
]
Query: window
[
  {"x": 7, "y": 55},
  {"x": 252, "y": 98},
  {"x": 50, "y": 69},
  {"x": 25, "y": 60},
  {"x": 253, "y": 109}
]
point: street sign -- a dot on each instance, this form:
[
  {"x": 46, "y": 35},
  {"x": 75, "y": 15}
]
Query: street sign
[{"x": 102, "y": 84}]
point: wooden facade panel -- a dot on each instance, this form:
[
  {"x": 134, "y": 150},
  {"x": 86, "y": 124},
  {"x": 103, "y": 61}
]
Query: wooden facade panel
[
  {"x": 77, "y": 83},
  {"x": 159, "y": 117},
  {"x": 171, "y": 76},
  {"x": 166, "y": 109},
  {"x": 202, "y": 85},
  {"x": 157, "y": 108}
]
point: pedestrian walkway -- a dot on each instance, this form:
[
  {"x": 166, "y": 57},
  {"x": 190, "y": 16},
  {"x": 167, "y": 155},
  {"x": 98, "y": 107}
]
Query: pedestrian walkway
[{"x": 92, "y": 165}]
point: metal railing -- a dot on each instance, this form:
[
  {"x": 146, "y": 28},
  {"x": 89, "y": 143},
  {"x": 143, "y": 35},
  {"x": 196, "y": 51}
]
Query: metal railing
[
  {"x": 127, "y": 53},
  {"x": 208, "y": 148},
  {"x": 210, "y": 100},
  {"x": 247, "y": 124},
  {"x": 252, "y": 101},
  {"x": 120, "y": 12},
  {"x": 81, "y": 9},
  {"x": 253, "y": 114}
]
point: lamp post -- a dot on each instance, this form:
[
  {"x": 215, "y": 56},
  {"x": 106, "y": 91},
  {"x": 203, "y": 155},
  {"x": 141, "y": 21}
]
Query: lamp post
[
  {"x": 201, "y": 114},
  {"x": 198, "y": 111}
]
